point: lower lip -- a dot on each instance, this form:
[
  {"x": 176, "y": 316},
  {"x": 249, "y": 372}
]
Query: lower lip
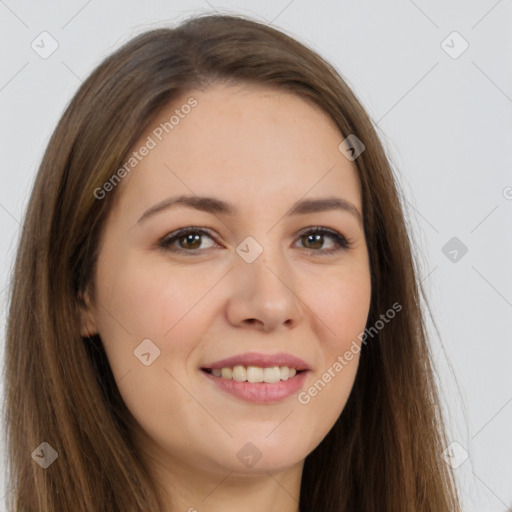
[{"x": 259, "y": 392}]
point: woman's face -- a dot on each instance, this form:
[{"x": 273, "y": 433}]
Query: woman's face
[{"x": 246, "y": 175}]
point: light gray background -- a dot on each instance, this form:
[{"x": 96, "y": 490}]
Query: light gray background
[{"x": 447, "y": 126}]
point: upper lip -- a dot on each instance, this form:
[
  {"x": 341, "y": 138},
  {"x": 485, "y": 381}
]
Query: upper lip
[{"x": 261, "y": 360}]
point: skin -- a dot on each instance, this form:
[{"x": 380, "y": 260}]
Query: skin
[{"x": 261, "y": 150}]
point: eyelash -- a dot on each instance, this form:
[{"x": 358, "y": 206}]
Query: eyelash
[{"x": 343, "y": 243}]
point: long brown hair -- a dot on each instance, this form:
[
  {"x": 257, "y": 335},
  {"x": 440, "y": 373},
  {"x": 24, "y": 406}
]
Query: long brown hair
[{"x": 382, "y": 454}]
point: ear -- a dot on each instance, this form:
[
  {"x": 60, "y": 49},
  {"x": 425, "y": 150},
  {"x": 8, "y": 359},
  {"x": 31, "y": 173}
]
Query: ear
[{"x": 88, "y": 325}]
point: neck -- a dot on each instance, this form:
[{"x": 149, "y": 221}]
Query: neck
[{"x": 184, "y": 488}]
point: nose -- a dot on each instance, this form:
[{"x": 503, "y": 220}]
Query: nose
[{"x": 264, "y": 295}]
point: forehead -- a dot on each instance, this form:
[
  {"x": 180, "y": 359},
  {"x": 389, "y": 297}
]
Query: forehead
[{"x": 252, "y": 145}]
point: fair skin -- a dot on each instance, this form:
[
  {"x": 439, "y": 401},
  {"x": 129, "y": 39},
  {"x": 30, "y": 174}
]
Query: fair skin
[{"x": 261, "y": 151}]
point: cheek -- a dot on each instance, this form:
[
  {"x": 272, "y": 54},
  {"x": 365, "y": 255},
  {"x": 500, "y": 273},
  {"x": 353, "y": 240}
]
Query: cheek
[
  {"x": 141, "y": 301},
  {"x": 342, "y": 304},
  {"x": 167, "y": 305},
  {"x": 325, "y": 395},
  {"x": 148, "y": 299}
]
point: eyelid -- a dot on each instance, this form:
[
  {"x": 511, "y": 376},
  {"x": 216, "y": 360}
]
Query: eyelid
[
  {"x": 343, "y": 242},
  {"x": 166, "y": 241}
]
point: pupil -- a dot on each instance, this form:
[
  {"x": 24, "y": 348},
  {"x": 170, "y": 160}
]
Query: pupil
[
  {"x": 316, "y": 240},
  {"x": 190, "y": 239}
]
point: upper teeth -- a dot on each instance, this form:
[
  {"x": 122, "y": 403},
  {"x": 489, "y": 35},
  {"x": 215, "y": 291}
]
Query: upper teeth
[{"x": 255, "y": 373}]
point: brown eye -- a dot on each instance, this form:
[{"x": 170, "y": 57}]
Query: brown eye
[
  {"x": 313, "y": 241},
  {"x": 190, "y": 241},
  {"x": 187, "y": 240},
  {"x": 317, "y": 239}
]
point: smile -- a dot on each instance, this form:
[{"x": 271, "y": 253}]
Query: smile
[
  {"x": 254, "y": 374},
  {"x": 258, "y": 378}
]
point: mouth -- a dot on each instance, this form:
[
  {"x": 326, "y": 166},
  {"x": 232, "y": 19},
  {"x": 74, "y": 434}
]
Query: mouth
[
  {"x": 258, "y": 378},
  {"x": 254, "y": 374}
]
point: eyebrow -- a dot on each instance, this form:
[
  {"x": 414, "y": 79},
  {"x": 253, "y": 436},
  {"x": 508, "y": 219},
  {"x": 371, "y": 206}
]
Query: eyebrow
[{"x": 219, "y": 207}]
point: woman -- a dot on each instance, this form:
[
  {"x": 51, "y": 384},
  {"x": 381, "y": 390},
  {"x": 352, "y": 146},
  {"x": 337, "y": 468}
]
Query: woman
[{"x": 215, "y": 304}]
